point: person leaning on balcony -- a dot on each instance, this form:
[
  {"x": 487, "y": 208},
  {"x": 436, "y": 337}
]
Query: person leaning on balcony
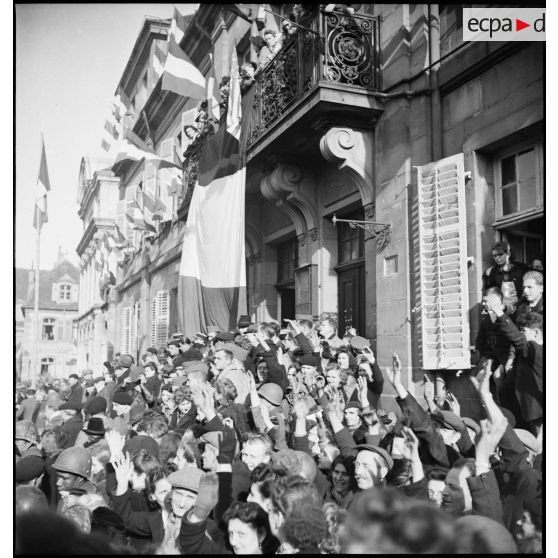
[{"x": 506, "y": 274}]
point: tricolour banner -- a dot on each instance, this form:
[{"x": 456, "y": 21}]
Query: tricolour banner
[{"x": 212, "y": 281}]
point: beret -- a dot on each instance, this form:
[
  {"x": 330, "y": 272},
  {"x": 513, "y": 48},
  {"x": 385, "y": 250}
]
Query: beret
[
  {"x": 187, "y": 478},
  {"x": 122, "y": 398},
  {"x": 96, "y": 405},
  {"x": 380, "y": 451},
  {"x": 359, "y": 343},
  {"x": 139, "y": 442},
  {"x": 308, "y": 360},
  {"x": 126, "y": 361},
  {"x": 448, "y": 420},
  {"x": 70, "y": 406},
  {"x": 243, "y": 321},
  {"x": 153, "y": 350},
  {"x": 29, "y": 468},
  {"x": 225, "y": 336}
]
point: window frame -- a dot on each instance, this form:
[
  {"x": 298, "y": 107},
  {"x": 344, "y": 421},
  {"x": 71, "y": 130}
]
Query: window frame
[
  {"x": 51, "y": 324},
  {"x": 66, "y": 287},
  {"x": 287, "y": 281},
  {"x": 536, "y": 145}
]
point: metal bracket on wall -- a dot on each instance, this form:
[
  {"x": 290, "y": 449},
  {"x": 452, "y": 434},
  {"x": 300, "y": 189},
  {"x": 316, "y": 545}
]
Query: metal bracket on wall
[{"x": 381, "y": 231}]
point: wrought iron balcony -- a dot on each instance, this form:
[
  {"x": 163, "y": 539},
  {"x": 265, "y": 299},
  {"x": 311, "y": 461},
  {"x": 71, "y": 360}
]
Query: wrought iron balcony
[{"x": 332, "y": 49}]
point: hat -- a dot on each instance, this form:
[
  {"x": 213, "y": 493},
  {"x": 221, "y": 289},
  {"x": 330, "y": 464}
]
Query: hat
[
  {"x": 272, "y": 393},
  {"x": 89, "y": 383},
  {"x": 139, "y": 442},
  {"x": 74, "y": 376},
  {"x": 287, "y": 461},
  {"x": 528, "y": 440},
  {"x": 187, "y": 478},
  {"x": 448, "y": 420},
  {"x": 225, "y": 336},
  {"x": 238, "y": 352},
  {"x": 122, "y": 398},
  {"x": 136, "y": 414},
  {"x": 153, "y": 351},
  {"x": 380, "y": 451},
  {"x": 353, "y": 405},
  {"x": 179, "y": 380},
  {"x": 70, "y": 406},
  {"x": 53, "y": 400},
  {"x": 173, "y": 342},
  {"x": 103, "y": 517},
  {"x": 470, "y": 423},
  {"x": 243, "y": 321},
  {"x": 96, "y": 405},
  {"x": 201, "y": 336},
  {"x": 308, "y": 360},
  {"x": 194, "y": 365},
  {"x": 29, "y": 468},
  {"x": 359, "y": 343},
  {"x": 223, "y": 440},
  {"x": 126, "y": 361},
  {"x": 136, "y": 372},
  {"x": 26, "y": 430},
  {"x": 95, "y": 427}
]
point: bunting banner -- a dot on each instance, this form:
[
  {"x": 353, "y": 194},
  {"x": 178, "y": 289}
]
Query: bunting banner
[
  {"x": 179, "y": 73},
  {"x": 212, "y": 278}
]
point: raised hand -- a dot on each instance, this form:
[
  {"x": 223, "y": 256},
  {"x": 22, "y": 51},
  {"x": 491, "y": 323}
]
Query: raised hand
[
  {"x": 394, "y": 374},
  {"x": 411, "y": 443},
  {"x": 453, "y": 404},
  {"x": 367, "y": 366},
  {"x": 491, "y": 434},
  {"x": 363, "y": 391},
  {"x": 482, "y": 379},
  {"x": 300, "y": 407},
  {"x": 123, "y": 469},
  {"x": 208, "y": 496},
  {"x": 115, "y": 442},
  {"x": 493, "y": 303},
  {"x": 369, "y": 355}
]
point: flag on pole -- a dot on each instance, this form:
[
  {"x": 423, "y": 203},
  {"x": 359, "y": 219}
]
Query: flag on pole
[
  {"x": 213, "y": 95},
  {"x": 179, "y": 73},
  {"x": 212, "y": 278},
  {"x": 40, "y": 215},
  {"x": 157, "y": 61}
]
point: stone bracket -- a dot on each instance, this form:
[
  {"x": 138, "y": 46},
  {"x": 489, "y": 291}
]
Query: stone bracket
[{"x": 352, "y": 150}]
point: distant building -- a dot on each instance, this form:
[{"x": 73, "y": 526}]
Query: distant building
[{"x": 58, "y": 308}]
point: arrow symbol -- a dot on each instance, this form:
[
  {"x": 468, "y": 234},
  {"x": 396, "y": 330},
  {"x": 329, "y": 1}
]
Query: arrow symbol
[{"x": 519, "y": 24}]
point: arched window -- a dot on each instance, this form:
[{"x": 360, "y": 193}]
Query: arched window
[{"x": 48, "y": 329}]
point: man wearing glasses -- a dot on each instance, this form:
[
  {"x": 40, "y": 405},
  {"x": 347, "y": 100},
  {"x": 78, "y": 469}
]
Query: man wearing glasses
[{"x": 506, "y": 274}]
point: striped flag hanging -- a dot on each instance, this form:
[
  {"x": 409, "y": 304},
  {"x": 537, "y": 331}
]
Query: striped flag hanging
[
  {"x": 213, "y": 96},
  {"x": 179, "y": 73},
  {"x": 212, "y": 279},
  {"x": 40, "y": 215}
]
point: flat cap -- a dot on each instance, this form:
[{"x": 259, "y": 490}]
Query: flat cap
[
  {"x": 122, "y": 398},
  {"x": 380, "y": 451},
  {"x": 187, "y": 478}
]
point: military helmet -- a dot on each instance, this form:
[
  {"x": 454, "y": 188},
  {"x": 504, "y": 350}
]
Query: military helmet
[
  {"x": 74, "y": 460},
  {"x": 26, "y": 430}
]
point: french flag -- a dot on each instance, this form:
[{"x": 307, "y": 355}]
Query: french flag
[{"x": 212, "y": 279}]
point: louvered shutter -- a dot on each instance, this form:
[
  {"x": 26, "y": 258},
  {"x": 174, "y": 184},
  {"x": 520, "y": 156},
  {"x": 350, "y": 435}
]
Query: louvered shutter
[
  {"x": 162, "y": 319},
  {"x": 134, "y": 328},
  {"x": 126, "y": 328},
  {"x": 130, "y": 231},
  {"x": 443, "y": 265},
  {"x": 153, "y": 330}
]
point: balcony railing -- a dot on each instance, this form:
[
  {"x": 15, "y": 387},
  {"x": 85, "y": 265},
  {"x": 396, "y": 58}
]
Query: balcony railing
[{"x": 332, "y": 47}]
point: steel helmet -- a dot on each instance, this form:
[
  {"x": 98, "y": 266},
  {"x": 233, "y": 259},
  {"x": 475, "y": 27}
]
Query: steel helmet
[
  {"x": 272, "y": 393},
  {"x": 26, "y": 430},
  {"x": 74, "y": 460}
]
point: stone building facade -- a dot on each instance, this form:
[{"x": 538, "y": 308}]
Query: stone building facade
[{"x": 365, "y": 118}]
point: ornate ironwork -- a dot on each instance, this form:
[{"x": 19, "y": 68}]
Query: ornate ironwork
[
  {"x": 380, "y": 231},
  {"x": 335, "y": 47}
]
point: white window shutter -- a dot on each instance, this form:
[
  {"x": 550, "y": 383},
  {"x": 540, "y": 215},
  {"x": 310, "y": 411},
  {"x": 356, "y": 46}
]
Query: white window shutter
[
  {"x": 154, "y": 311},
  {"x": 75, "y": 293},
  {"x": 444, "y": 322},
  {"x": 162, "y": 318},
  {"x": 134, "y": 328},
  {"x": 126, "y": 323}
]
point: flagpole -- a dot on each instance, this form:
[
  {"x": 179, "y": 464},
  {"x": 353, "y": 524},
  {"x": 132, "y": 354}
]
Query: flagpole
[{"x": 33, "y": 371}]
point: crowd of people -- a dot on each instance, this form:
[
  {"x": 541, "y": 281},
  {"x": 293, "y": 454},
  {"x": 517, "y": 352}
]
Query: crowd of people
[{"x": 271, "y": 440}]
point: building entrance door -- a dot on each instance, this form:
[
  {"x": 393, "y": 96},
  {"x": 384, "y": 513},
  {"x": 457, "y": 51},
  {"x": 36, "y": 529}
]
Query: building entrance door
[
  {"x": 351, "y": 300},
  {"x": 287, "y": 303}
]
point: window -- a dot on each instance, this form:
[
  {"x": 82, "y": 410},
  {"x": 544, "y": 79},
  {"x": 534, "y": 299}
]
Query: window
[
  {"x": 351, "y": 240},
  {"x": 287, "y": 260},
  {"x": 160, "y": 319},
  {"x": 48, "y": 329},
  {"x": 47, "y": 366},
  {"x": 519, "y": 177},
  {"x": 64, "y": 292},
  {"x": 126, "y": 330}
]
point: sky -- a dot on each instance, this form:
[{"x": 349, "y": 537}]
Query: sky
[{"x": 69, "y": 59}]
